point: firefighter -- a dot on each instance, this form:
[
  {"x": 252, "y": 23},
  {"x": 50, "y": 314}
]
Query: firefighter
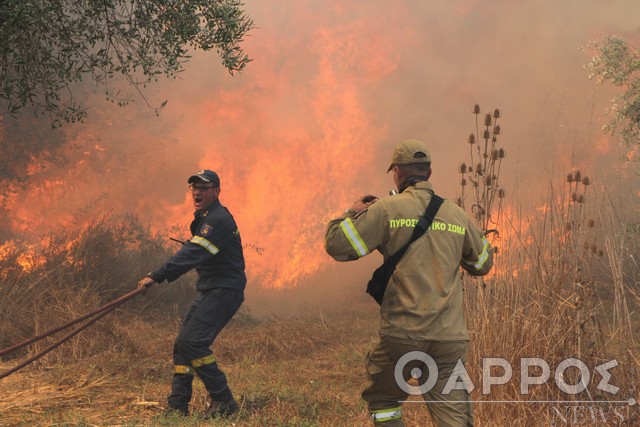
[
  {"x": 215, "y": 251},
  {"x": 421, "y": 311}
]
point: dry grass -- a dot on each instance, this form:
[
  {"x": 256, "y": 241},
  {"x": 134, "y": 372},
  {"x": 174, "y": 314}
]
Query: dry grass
[
  {"x": 288, "y": 372},
  {"x": 292, "y": 371},
  {"x": 568, "y": 288}
]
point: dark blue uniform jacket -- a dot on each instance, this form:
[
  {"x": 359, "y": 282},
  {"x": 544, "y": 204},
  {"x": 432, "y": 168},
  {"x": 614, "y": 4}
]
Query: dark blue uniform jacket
[{"x": 215, "y": 251}]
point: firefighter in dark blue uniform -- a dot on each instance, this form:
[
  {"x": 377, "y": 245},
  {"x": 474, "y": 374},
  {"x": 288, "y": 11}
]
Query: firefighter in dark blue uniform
[{"x": 215, "y": 251}]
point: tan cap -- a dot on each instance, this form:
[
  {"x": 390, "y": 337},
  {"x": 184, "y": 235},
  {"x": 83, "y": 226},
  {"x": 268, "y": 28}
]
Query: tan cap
[{"x": 410, "y": 151}]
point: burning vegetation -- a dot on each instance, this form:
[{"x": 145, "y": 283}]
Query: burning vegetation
[{"x": 566, "y": 285}]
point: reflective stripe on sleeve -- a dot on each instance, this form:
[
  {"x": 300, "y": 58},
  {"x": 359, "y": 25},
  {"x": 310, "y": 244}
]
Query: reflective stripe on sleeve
[
  {"x": 354, "y": 238},
  {"x": 484, "y": 255},
  {"x": 207, "y": 360},
  {"x": 182, "y": 369},
  {"x": 383, "y": 415},
  {"x": 205, "y": 244}
]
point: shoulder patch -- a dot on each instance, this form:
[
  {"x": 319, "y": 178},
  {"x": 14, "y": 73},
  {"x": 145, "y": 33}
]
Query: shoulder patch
[{"x": 206, "y": 230}]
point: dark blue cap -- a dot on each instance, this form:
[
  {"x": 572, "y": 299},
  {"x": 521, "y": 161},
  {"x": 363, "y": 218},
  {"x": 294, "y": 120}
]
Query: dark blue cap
[{"x": 207, "y": 176}]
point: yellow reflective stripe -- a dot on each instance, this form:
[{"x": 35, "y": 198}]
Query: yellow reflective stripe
[
  {"x": 196, "y": 363},
  {"x": 205, "y": 244},
  {"x": 383, "y": 415},
  {"x": 181, "y": 369},
  {"x": 354, "y": 238},
  {"x": 484, "y": 256}
]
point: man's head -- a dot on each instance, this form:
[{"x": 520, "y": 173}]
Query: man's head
[
  {"x": 205, "y": 188},
  {"x": 411, "y": 160}
]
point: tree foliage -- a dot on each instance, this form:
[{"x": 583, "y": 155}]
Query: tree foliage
[
  {"x": 619, "y": 63},
  {"x": 48, "y": 46}
]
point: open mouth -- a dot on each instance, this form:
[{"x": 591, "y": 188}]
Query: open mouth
[{"x": 197, "y": 199}]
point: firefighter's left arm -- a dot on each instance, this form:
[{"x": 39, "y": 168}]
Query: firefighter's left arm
[
  {"x": 477, "y": 253},
  {"x": 215, "y": 234},
  {"x": 353, "y": 236}
]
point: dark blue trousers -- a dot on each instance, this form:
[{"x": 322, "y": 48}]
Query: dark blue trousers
[{"x": 208, "y": 314}]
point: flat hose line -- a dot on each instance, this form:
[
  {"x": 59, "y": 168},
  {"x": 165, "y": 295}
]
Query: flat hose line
[{"x": 93, "y": 317}]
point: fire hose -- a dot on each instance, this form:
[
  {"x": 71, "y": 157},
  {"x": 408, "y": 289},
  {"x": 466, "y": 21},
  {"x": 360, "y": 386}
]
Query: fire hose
[{"x": 93, "y": 317}]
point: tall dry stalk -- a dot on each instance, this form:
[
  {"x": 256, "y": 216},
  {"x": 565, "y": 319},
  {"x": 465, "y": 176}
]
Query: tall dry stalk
[
  {"x": 483, "y": 172},
  {"x": 554, "y": 296}
]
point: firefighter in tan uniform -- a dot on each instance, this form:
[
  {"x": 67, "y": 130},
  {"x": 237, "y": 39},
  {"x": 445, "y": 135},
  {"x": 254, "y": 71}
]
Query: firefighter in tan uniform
[{"x": 421, "y": 312}]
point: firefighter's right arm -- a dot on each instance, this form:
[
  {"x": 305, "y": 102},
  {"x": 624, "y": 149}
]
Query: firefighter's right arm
[
  {"x": 207, "y": 242},
  {"x": 353, "y": 236}
]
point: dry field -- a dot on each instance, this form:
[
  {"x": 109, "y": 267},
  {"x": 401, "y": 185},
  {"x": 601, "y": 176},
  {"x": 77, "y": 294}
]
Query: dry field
[{"x": 293, "y": 371}]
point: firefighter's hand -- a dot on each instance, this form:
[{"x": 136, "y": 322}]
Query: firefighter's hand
[
  {"x": 146, "y": 282},
  {"x": 363, "y": 203}
]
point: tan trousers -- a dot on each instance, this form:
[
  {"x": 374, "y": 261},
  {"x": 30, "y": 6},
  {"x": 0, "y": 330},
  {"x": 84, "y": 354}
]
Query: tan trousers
[{"x": 384, "y": 395}]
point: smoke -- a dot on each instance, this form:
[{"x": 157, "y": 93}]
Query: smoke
[{"x": 309, "y": 126}]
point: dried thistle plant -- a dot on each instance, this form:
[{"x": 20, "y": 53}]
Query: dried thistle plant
[
  {"x": 580, "y": 230},
  {"x": 481, "y": 183}
]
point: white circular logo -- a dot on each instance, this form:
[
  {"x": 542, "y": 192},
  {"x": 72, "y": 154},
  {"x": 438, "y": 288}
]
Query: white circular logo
[{"x": 416, "y": 373}]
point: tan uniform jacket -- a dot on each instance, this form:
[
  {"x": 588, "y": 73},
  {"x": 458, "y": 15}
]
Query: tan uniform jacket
[{"x": 423, "y": 300}]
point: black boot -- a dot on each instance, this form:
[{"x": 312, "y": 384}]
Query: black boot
[
  {"x": 171, "y": 411},
  {"x": 223, "y": 409}
]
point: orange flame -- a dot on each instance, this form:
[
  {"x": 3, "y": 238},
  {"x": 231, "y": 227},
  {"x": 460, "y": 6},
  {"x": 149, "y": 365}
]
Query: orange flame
[
  {"x": 281, "y": 169},
  {"x": 297, "y": 135},
  {"x": 279, "y": 192}
]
